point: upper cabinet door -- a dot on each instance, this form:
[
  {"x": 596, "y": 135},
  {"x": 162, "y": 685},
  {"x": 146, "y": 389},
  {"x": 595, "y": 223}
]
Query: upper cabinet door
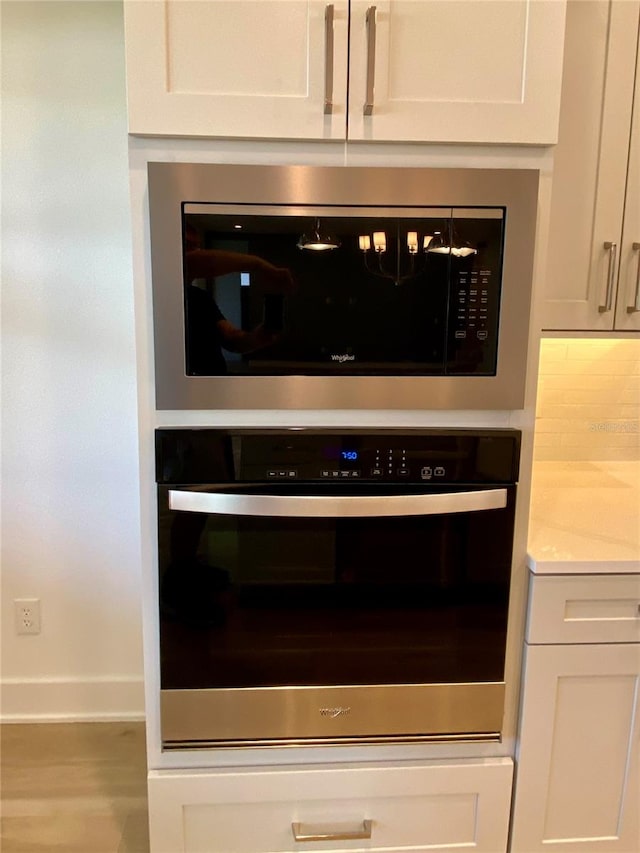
[
  {"x": 590, "y": 267},
  {"x": 237, "y": 68},
  {"x": 628, "y": 295},
  {"x": 456, "y": 70}
]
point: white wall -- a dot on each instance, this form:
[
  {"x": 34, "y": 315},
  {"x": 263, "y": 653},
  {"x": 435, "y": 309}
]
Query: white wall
[{"x": 70, "y": 505}]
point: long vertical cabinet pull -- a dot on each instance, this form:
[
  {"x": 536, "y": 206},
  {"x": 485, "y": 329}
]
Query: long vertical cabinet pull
[
  {"x": 328, "y": 59},
  {"x": 612, "y": 248},
  {"x": 632, "y": 309},
  {"x": 371, "y": 59}
]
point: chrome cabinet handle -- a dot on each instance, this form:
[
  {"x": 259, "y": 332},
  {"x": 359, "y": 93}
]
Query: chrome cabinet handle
[
  {"x": 612, "y": 248},
  {"x": 371, "y": 59},
  {"x": 631, "y": 309},
  {"x": 335, "y": 506},
  {"x": 328, "y": 59},
  {"x": 319, "y": 834}
]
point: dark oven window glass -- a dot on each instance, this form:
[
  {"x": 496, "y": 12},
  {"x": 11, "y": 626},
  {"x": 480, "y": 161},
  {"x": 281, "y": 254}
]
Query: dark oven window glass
[
  {"x": 250, "y": 602},
  {"x": 410, "y": 295}
]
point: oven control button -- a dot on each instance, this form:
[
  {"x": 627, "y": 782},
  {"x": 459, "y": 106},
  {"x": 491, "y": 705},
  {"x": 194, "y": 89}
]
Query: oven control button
[
  {"x": 376, "y": 472},
  {"x": 345, "y": 474},
  {"x": 403, "y": 472},
  {"x": 426, "y": 473},
  {"x": 355, "y": 473},
  {"x": 291, "y": 474},
  {"x": 272, "y": 474},
  {"x": 335, "y": 474},
  {"x": 439, "y": 471},
  {"x": 324, "y": 473}
]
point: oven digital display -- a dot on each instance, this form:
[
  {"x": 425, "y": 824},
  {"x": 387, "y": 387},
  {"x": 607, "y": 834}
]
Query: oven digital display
[{"x": 350, "y": 455}]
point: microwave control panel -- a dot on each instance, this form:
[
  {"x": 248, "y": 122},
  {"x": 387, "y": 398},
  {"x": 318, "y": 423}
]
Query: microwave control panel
[{"x": 473, "y": 321}]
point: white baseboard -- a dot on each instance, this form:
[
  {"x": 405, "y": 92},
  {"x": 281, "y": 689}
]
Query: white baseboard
[{"x": 71, "y": 699}]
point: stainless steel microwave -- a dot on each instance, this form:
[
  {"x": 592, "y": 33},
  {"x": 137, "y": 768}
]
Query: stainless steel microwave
[{"x": 340, "y": 287}]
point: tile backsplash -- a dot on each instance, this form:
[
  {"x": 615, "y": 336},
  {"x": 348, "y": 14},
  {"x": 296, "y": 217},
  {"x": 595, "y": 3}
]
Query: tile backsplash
[{"x": 588, "y": 400}]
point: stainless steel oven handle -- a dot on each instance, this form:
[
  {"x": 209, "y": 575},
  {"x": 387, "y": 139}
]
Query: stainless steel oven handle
[
  {"x": 335, "y": 506},
  {"x": 319, "y": 834}
]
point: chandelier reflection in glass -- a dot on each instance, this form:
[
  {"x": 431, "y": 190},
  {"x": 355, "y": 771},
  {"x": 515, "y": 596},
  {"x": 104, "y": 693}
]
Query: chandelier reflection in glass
[{"x": 413, "y": 265}]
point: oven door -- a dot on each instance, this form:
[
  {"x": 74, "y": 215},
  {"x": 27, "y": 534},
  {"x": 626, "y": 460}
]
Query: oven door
[{"x": 350, "y": 612}]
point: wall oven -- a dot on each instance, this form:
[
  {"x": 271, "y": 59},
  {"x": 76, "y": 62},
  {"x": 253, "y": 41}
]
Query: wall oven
[
  {"x": 312, "y": 287},
  {"x": 342, "y": 586}
]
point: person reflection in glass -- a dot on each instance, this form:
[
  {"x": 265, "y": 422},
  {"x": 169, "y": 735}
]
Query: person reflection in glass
[{"x": 208, "y": 330}]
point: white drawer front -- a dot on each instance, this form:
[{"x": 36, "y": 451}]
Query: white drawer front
[
  {"x": 584, "y": 609},
  {"x": 408, "y": 807}
]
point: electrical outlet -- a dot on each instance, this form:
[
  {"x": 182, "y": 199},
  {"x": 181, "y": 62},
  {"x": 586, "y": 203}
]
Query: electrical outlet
[{"x": 27, "y": 615}]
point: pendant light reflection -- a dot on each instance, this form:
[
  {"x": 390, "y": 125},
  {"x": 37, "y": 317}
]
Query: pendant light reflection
[
  {"x": 437, "y": 246},
  {"x": 317, "y": 241},
  {"x": 431, "y": 244}
]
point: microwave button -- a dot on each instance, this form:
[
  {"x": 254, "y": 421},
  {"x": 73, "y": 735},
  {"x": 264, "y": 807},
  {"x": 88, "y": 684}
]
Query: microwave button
[
  {"x": 272, "y": 474},
  {"x": 482, "y": 336},
  {"x": 376, "y": 472},
  {"x": 345, "y": 474},
  {"x": 403, "y": 472},
  {"x": 335, "y": 474},
  {"x": 439, "y": 471},
  {"x": 355, "y": 473},
  {"x": 282, "y": 473},
  {"x": 325, "y": 473},
  {"x": 291, "y": 474},
  {"x": 426, "y": 473}
]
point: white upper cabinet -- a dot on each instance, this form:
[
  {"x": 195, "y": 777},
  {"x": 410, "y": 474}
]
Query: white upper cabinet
[
  {"x": 594, "y": 243},
  {"x": 466, "y": 71},
  {"x": 237, "y": 68},
  {"x": 628, "y": 289},
  {"x": 456, "y": 70}
]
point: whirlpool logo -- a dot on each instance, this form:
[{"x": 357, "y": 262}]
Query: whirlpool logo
[
  {"x": 343, "y": 358},
  {"x": 335, "y": 712}
]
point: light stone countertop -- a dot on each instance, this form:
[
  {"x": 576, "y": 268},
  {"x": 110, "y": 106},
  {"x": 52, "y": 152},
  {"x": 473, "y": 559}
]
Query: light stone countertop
[{"x": 585, "y": 518}]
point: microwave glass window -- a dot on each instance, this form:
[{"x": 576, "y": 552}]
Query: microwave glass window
[{"x": 341, "y": 294}]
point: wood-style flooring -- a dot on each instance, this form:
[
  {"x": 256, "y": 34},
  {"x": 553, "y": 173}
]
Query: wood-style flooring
[{"x": 73, "y": 788}]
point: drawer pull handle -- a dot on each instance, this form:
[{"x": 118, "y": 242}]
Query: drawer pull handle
[{"x": 317, "y": 833}]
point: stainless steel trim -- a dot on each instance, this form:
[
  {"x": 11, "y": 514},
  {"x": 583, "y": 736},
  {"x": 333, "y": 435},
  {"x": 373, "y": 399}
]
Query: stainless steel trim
[
  {"x": 632, "y": 309},
  {"x": 316, "y": 833},
  {"x": 612, "y": 248},
  {"x": 426, "y": 211},
  {"x": 272, "y": 716},
  {"x": 370, "y": 22},
  {"x": 335, "y": 506},
  {"x": 321, "y": 187},
  {"x": 328, "y": 59}
]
